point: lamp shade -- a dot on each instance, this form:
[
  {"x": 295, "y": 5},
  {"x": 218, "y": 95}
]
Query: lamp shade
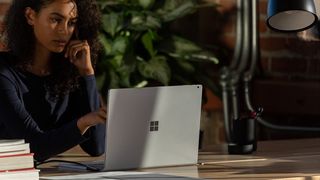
[{"x": 291, "y": 15}]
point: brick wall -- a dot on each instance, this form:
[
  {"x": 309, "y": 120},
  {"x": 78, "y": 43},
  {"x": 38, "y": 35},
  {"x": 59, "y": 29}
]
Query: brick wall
[
  {"x": 283, "y": 56},
  {"x": 285, "y": 59},
  {"x": 4, "y": 5},
  {"x": 289, "y": 88}
]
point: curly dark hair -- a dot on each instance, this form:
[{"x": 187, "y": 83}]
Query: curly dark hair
[{"x": 20, "y": 41}]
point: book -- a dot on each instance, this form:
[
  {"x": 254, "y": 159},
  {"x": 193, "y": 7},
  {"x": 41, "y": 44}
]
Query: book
[
  {"x": 17, "y": 161},
  {"x": 13, "y": 146},
  {"x": 24, "y": 151},
  {"x": 9, "y": 142},
  {"x": 23, "y": 174}
]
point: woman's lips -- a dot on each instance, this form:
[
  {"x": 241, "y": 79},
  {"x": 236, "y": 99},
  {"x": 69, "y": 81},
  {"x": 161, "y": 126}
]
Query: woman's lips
[{"x": 60, "y": 42}]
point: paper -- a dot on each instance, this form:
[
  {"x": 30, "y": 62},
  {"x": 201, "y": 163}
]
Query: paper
[{"x": 118, "y": 175}]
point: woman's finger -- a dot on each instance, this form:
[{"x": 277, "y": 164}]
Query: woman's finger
[
  {"x": 102, "y": 116},
  {"x": 104, "y": 109},
  {"x": 67, "y": 48},
  {"x": 70, "y": 45},
  {"x": 76, "y": 49}
]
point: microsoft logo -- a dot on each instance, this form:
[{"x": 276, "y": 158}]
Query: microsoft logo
[{"x": 154, "y": 125}]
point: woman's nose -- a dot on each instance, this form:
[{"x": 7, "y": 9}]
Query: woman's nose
[{"x": 63, "y": 29}]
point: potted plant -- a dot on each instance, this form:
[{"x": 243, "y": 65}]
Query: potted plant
[{"x": 139, "y": 49}]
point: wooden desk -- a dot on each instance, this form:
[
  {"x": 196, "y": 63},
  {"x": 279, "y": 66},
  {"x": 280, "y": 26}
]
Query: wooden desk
[{"x": 285, "y": 159}]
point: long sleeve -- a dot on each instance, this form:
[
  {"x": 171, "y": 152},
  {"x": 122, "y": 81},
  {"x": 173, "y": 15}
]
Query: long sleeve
[
  {"x": 19, "y": 124},
  {"x": 26, "y": 112},
  {"x": 82, "y": 102}
]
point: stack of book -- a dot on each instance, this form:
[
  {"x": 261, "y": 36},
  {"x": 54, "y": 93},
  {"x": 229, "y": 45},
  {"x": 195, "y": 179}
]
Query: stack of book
[{"x": 16, "y": 161}]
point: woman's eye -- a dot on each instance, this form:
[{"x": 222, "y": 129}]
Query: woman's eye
[
  {"x": 55, "y": 20},
  {"x": 72, "y": 23}
]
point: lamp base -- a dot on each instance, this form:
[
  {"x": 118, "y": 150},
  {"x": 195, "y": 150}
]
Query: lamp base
[{"x": 242, "y": 148}]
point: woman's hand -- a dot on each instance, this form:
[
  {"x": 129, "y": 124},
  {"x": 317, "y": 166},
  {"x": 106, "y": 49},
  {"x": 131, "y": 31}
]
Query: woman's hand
[
  {"x": 91, "y": 119},
  {"x": 78, "y": 52}
]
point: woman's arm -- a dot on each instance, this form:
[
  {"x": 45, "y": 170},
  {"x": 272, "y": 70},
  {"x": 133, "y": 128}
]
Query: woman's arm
[
  {"x": 82, "y": 102},
  {"x": 78, "y": 53},
  {"x": 19, "y": 124}
]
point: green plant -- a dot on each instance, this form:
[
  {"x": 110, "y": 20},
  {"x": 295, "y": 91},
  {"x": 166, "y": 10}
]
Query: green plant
[{"x": 139, "y": 48}]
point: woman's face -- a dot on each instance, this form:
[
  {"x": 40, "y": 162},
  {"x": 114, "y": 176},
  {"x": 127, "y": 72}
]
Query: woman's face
[{"x": 54, "y": 24}]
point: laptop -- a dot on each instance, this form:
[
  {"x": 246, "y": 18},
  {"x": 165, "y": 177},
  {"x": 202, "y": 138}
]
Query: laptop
[{"x": 152, "y": 127}]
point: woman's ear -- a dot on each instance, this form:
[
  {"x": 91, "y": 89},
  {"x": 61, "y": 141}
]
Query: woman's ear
[{"x": 30, "y": 15}]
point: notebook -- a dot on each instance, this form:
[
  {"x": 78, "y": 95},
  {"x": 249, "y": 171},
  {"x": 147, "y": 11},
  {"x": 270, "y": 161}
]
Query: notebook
[{"x": 152, "y": 127}]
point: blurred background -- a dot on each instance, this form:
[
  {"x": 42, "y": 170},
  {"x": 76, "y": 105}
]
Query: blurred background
[{"x": 287, "y": 79}]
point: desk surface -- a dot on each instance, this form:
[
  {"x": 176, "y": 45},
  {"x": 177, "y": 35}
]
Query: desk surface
[{"x": 284, "y": 159}]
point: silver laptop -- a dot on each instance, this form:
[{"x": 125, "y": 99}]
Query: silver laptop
[{"x": 151, "y": 127}]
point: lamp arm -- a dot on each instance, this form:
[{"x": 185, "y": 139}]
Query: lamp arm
[
  {"x": 239, "y": 39},
  {"x": 246, "y": 42},
  {"x": 255, "y": 55},
  {"x": 229, "y": 95}
]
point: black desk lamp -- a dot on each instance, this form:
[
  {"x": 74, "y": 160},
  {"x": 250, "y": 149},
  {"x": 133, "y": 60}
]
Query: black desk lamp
[
  {"x": 291, "y": 15},
  {"x": 283, "y": 15}
]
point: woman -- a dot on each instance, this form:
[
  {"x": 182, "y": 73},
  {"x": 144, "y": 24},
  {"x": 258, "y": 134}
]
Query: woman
[{"x": 48, "y": 94}]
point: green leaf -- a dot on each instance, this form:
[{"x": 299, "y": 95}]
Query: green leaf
[
  {"x": 112, "y": 23},
  {"x": 180, "y": 48},
  {"x": 186, "y": 66},
  {"x": 182, "y": 45},
  {"x": 170, "y": 5},
  {"x": 114, "y": 79},
  {"x": 143, "y": 21},
  {"x": 174, "y": 9},
  {"x": 116, "y": 61},
  {"x": 157, "y": 69},
  {"x": 147, "y": 41},
  {"x": 178, "y": 45},
  {"x": 204, "y": 56},
  {"x": 106, "y": 43},
  {"x": 137, "y": 18},
  {"x": 141, "y": 84},
  {"x": 120, "y": 45},
  {"x": 153, "y": 22},
  {"x": 124, "y": 76},
  {"x": 137, "y": 22},
  {"x": 146, "y": 4}
]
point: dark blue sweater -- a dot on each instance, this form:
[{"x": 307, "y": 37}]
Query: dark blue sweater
[{"x": 50, "y": 126}]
